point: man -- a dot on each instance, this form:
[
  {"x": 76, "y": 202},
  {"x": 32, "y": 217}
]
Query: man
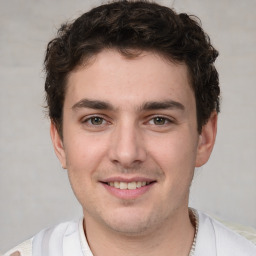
[{"x": 133, "y": 97}]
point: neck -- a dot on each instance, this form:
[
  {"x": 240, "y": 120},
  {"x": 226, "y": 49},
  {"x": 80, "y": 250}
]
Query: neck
[{"x": 173, "y": 237}]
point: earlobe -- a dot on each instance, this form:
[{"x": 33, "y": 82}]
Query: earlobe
[
  {"x": 206, "y": 140},
  {"x": 58, "y": 145}
]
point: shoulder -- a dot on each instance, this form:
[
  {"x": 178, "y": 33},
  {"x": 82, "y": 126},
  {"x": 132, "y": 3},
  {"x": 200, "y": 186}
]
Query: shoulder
[
  {"x": 226, "y": 241},
  {"x": 23, "y": 249},
  {"x": 53, "y": 235},
  {"x": 246, "y": 232},
  {"x": 234, "y": 240}
]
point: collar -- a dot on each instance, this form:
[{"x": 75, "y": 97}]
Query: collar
[{"x": 194, "y": 218}]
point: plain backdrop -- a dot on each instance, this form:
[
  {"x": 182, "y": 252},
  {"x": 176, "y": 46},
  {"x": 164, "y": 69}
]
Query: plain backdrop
[{"x": 34, "y": 190}]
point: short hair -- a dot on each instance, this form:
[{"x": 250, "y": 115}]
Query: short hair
[{"x": 131, "y": 27}]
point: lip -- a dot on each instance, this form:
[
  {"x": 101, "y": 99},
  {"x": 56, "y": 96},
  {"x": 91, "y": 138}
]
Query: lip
[
  {"x": 128, "y": 194},
  {"x": 126, "y": 179}
]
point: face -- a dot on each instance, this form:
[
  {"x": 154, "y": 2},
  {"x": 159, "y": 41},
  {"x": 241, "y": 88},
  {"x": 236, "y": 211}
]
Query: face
[{"x": 130, "y": 140}]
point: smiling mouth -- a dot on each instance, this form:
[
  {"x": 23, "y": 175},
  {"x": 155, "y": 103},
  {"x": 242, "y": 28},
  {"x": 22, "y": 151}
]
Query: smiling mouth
[{"x": 128, "y": 185}]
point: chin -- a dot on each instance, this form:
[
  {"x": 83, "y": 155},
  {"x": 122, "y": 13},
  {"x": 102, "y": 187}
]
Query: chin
[
  {"x": 130, "y": 228},
  {"x": 131, "y": 223}
]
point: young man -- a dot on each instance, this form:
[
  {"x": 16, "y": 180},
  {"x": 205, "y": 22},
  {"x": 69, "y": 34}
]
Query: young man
[{"x": 133, "y": 98}]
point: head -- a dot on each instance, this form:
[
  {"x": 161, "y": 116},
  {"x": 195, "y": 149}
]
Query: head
[
  {"x": 132, "y": 95},
  {"x": 131, "y": 27}
]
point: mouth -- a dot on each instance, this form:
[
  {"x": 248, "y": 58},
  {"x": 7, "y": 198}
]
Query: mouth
[
  {"x": 127, "y": 189},
  {"x": 128, "y": 185}
]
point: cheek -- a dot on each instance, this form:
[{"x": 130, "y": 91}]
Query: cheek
[
  {"x": 84, "y": 154},
  {"x": 176, "y": 156},
  {"x": 175, "y": 149}
]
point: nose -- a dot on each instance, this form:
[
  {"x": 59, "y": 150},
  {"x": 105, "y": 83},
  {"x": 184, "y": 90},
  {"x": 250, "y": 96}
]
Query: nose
[{"x": 127, "y": 146}]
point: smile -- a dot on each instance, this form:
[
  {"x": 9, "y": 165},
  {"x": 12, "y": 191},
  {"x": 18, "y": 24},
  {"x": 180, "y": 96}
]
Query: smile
[
  {"x": 128, "y": 185},
  {"x": 127, "y": 189}
]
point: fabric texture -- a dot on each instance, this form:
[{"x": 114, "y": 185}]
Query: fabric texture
[
  {"x": 247, "y": 232},
  {"x": 213, "y": 239},
  {"x": 25, "y": 249}
]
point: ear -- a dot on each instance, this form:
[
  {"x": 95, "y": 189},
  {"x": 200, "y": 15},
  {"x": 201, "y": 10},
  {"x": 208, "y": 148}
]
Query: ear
[
  {"x": 58, "y": 145},
  {"x": 206, "y": 140}
]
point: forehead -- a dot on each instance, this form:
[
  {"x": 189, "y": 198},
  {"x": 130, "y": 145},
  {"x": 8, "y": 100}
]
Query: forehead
[{"x": 110, "y": 76}]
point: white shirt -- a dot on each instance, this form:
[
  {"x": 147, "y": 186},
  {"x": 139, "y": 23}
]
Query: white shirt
[
  {"x": 68, "y": 239},
  {"x": 215, "y": 239}
]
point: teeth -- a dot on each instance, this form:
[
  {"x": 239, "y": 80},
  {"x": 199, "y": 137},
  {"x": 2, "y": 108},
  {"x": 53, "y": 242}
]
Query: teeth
[
  {"x": 123, "y": 185},
  {"x": 138, "y": 184},
  {"x": 116, "y": 184},
  {"x": 132, "y": 185},
  {"x": 128, "y": 185}
]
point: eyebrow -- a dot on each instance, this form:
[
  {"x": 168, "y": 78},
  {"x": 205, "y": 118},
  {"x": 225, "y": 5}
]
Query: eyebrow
[
  {"x": 168, "y": 104},
  {"x": 147, "y": 106},
  {"x": 94, "y": 104}
]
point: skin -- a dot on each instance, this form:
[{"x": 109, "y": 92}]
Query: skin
[{"x": 114, "y": 130}]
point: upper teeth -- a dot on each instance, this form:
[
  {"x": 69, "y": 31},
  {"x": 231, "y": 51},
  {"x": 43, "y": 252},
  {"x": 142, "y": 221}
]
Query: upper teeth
[{"x": 128, "y": 185}]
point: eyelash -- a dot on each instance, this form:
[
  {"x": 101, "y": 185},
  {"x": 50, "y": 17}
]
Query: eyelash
[
  {"x": 89, "y": 121},
  {"x": 165, "y": 119}
]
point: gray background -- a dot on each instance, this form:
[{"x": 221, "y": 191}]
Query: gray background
[{"x": 34, "y": 190}]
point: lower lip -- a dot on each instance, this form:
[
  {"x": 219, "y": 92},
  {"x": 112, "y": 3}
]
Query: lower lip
[{"x": 128, "y": 193}]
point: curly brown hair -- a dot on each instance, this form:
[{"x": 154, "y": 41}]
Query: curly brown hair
[{"x": 127, "y": 26}]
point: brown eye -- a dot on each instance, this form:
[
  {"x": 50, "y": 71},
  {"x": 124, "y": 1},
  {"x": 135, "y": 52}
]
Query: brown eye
[
  {"x": 160, "y": 120},
  {"x": 96, "y": 120}
]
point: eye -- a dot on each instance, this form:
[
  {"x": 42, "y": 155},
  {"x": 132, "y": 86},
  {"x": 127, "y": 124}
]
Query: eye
[
  {"x": 159, "y": 120},
  {"x": 95, "y": 121}
]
